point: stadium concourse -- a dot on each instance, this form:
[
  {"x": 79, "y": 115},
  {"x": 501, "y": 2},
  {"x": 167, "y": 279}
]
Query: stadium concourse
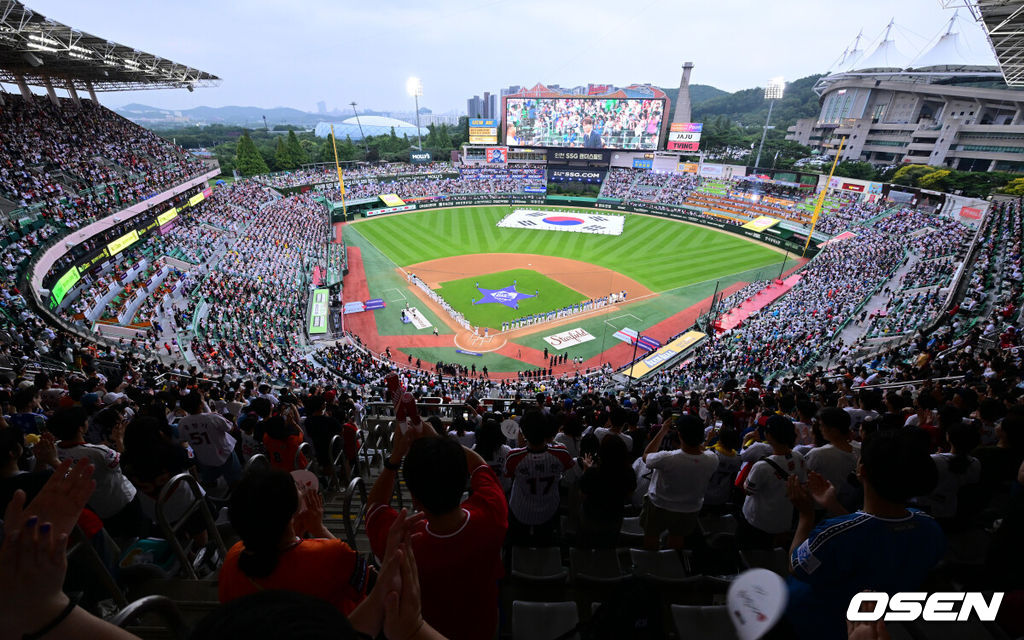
[{"x": 863, "y": 431}]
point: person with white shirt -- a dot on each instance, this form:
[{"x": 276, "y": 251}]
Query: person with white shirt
[
  {"x": 838, "y": 459},
  {"x": 210, "y": 437},
  {"x": 680, "y": 480},
  {"x": 956, "y": 470},
  {"x": 617, "y": 418},
  {"x": 767, "y": 511},
  {"x": 115, "y": 498}
]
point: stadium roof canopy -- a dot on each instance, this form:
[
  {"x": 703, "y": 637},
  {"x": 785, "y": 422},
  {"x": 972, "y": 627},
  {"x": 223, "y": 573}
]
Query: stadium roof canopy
[
  {"x": 34, "y": 48},
  {"x": 947, "y": 60},
  {"x": 371, "y": 126},
  {"x": 1004, "y": 23}
]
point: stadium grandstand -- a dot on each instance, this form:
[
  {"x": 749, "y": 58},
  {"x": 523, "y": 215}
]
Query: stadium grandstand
[{"x": 280, "y": 407}]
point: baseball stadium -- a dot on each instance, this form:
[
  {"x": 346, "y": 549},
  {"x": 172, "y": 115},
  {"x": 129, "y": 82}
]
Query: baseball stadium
[{"x": 571, "y": 364}]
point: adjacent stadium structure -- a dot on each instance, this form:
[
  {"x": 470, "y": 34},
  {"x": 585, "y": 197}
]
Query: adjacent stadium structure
[{"x": 948, "y": 106}]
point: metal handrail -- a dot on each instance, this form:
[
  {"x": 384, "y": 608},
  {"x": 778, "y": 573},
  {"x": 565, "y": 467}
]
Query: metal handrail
[
  {"x": 353, "y": 522},
  {"x": 162, "y": 606},
  {"x": 304, "y": 449},
  {"x": 257, "y": 461},
  {"x": 171, "y": 530}
]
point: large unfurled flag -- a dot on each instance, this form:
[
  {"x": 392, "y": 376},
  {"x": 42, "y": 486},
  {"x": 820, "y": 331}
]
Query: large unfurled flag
[
  {"x": 647, "y": 343},
  {"x": 631, "y": 336},
  {"x": 627, "y": 335}
]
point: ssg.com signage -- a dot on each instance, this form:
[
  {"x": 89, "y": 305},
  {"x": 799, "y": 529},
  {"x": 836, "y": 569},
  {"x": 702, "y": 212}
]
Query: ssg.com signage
[{"x": 571, "y": 174}]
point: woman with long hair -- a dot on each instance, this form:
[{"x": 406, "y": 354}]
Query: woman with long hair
[{"x": 285, "y": 547}]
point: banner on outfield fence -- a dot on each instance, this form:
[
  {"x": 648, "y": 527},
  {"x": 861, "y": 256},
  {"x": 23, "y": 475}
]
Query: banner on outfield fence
[
  {"x": 761, "y": 223},
  {"x": 665, "y": 354},
  {"x": 599, "y": 224},
  {"x": 392, "y": 200},
  {"x": 569, "y": 338}
]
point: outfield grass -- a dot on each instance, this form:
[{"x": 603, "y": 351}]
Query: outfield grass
[
  {"x": 550, "y": 295},
  {"x": 661, "y": 254}
]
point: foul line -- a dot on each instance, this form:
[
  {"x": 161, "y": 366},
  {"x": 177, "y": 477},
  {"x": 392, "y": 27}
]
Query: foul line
[{"x": 401, "y": 296}]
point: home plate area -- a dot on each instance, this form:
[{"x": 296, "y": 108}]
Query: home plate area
[
  {"x": 576, "y": 222},
  {"x": 412, "y": 315}
]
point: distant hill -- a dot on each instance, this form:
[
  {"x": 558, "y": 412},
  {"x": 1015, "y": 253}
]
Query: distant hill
[
  {"x": 748, "y": 107},
  {"x": 245, "y": 116},
  {"x": 698, "y": 93}
]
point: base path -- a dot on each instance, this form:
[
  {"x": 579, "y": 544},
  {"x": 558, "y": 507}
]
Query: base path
[{"x": 589, "y": 279}]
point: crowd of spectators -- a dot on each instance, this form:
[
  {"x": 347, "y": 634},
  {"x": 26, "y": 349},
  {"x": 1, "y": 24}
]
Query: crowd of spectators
[
  {"x": 257, "y": 293},
  {"x": 80, "y": 161},
  {"x": 360, "y": 171}
]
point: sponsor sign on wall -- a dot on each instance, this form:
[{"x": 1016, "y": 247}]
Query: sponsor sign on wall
[{"x": 569, "y": 338}]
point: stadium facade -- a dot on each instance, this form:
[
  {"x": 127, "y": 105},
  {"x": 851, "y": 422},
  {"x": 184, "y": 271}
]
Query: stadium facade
[{"x": 948, "y": 107}]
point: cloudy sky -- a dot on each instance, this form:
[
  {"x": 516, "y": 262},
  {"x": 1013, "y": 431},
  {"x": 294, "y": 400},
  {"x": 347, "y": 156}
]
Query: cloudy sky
[{"x": 294, "y": 54}]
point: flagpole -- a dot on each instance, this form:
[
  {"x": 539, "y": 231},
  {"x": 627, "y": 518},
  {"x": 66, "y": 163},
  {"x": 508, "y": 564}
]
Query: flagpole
[
  {"x": 821, "y": 199},
  {"x": 629, "y": 385},
  {"x": 341, "y": 182}
]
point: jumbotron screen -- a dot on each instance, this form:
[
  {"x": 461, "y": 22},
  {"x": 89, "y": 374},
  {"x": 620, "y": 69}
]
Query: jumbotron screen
[{"x": 590, "y": 123}]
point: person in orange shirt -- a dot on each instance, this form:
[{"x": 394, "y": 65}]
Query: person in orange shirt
[
  {"x": 281, "y": 439},
  {"x": 275, "y": 552}
]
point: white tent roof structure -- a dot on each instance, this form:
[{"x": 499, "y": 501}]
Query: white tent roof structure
[
  {"x": 950, "y": 54},
  {"x": 885, "y": 57}
]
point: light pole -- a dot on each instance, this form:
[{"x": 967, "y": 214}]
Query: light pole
[
  {"x": 772, "y": 93},
  {"x": 414, "y": 88}
]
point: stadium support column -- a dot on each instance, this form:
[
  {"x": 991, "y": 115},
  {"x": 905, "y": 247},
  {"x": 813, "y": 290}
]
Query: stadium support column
[
  {"x": 92, "y": 92},
  {"x": 73, "y": 93},
  {"x": 50, "y": 92},
  {"x": 682, "y": 112},
  {"x": 23, "y": 87}
]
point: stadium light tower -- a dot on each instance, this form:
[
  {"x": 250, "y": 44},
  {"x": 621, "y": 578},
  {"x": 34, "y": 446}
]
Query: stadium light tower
[
  {"x": 773, "y": 92},
  {"x": 414, "y": 88}
]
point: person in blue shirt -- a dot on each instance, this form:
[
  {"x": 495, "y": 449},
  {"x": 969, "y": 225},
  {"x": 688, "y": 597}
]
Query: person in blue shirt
[{"x": 882, "y": 547}]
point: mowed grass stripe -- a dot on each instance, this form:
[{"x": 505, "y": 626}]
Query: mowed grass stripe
[{"x": 659, "y": 253}]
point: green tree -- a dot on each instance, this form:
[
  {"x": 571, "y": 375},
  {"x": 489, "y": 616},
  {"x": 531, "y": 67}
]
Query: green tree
[
  {"x": 283, "y": 160},
  {"x": 444, "y": 141},
  {"x": 856, "y": 170},
  {"x": 936, "y": 180},
  {"x": 1014, "y": 187},
  {"x": 910, "y": 174},
  {"x": 248, "y": 159},
  {"x": 298, "y": 154},
  {"x": 347, "y": 150}
]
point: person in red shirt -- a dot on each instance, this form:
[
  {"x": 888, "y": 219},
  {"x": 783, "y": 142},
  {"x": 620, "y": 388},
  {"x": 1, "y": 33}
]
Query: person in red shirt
[
  {"x": 281, "y": 441},
  {"x": 457, "y": 544}
]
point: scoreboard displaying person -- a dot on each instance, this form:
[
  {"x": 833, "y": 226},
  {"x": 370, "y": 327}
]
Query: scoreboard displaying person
[
  {"x": 590, "y": 123},
  {"x": 483, "y": 131},
  {"x": 684, "y": 136}
]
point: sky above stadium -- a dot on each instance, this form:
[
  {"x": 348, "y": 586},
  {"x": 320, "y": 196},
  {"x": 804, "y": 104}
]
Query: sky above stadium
[{"x": 272, "y": 54}]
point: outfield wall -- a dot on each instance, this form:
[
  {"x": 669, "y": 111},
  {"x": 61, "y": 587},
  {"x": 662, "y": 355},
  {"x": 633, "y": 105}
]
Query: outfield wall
[{"x": 773, "y": 237}]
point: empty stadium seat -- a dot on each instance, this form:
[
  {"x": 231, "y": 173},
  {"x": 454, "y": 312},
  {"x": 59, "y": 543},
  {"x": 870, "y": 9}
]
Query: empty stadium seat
[
  {"x": 663, "y": 567},
  {"x": 543, "y": 620},
  {"x": 597, "y": 566},
  {"x": 700, "y": 622},
  {"x": 538, "y": 564}
]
